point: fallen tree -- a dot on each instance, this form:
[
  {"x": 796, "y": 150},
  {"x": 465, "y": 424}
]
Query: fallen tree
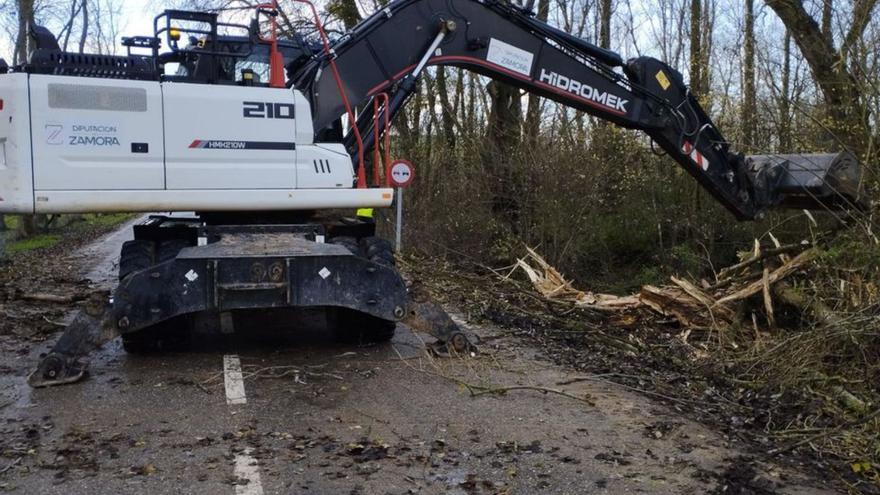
[{"x": 709, "y": 306}]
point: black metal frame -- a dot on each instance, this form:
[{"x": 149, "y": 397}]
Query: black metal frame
[
  {"x": 257, "y": 271},
  {"x": 47, "y": 58},
  {"x": 254, "y": 266}
]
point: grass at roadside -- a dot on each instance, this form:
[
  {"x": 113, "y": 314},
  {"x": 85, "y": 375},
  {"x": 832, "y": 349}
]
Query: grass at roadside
[
  {"x": 65, "y": 229},
  {"x": 11, "y": 222},
  {"x": 36, "y": 242},
  {"x": 107, "y": 219}
]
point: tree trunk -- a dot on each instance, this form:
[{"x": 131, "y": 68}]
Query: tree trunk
[
  {"x": 501, "y": 144},
  {"x": 707, "y": 27},
  {"x": 605, "y": 23},
  {"x": 847, "y": 121},
  {"x": 750, "y": 107},
  {"x": 471, "y": 121},
  {"x": 346, "y": 11},
  {"x": 431, "y": 105},
  {"x": 784, "y": 104},
  {"x": 827, "y": 11},
  {"x": 460, "y": 101},
  {"x": 85, "y": 27},
  {"x": 447, "y": 115},
  {"x": 696, "y": 62},
  {"x": 75, "y": 7},
  {"x": 25, "y": 17},
  {"x": 27, "y": 226},
  {"x": 533, "y": 110}
]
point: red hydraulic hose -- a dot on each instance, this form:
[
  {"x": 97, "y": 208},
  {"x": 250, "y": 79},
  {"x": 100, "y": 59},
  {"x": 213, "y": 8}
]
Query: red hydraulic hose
[
  {"x": 386, "y": 128},
  {"x": 276, "y": 59},
  {"x": 361, "y": 175}
]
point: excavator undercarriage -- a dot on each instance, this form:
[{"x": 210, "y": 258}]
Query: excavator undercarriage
[{"x": 179, "y": 273}]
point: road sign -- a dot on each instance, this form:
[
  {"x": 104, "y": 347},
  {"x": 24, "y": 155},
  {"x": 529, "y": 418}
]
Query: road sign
[{"x": 401, "y": 173}]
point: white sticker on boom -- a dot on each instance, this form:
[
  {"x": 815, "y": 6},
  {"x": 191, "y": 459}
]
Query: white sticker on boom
[
  {"x": 324, "y": 273},
  {"x": 510, "y": 57},
  {"x": 191, "y": 275}
]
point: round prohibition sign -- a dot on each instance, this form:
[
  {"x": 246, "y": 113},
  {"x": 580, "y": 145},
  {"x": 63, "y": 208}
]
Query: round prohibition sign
[{"x": 401, "y": 173}]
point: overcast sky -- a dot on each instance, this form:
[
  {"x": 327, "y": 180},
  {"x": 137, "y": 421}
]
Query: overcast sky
[{"x": 137, "y": 20}]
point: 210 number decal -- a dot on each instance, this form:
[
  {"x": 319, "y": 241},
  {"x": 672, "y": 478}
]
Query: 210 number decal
[{"x": 268, "y": 110}]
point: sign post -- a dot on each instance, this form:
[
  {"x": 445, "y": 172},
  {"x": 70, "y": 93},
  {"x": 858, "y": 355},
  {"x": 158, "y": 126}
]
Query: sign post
[
  {"x": 398, "y": 244},
  {"x": 402, "y": 174}
]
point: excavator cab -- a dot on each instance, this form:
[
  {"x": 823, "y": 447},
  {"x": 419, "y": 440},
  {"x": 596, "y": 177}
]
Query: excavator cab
[{"x": 214, "y": 57}]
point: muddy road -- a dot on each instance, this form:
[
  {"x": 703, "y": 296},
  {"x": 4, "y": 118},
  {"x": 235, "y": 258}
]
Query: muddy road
[{"x": 292, "y": 412}]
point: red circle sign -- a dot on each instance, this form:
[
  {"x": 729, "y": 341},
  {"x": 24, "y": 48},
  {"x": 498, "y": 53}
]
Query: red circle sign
[{"x": 401, "y": 173}]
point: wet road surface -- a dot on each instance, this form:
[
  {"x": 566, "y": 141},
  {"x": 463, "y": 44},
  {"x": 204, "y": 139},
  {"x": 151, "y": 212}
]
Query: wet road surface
[{"x": 292, "y": 412}]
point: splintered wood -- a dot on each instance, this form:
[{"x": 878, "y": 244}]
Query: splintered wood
[
  {"x": 552, "y": 285},
  {"x": 709, "y": 306}
]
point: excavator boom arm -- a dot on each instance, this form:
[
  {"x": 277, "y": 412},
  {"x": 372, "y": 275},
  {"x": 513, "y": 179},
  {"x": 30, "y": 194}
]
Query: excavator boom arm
[{"x": 387, "y": 52}]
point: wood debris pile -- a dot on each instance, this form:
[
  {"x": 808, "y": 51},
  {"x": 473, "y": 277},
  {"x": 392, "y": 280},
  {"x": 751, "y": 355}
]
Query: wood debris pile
[
  {"x": 552, "y": 285},
  {"x": 694, "y": 305}
]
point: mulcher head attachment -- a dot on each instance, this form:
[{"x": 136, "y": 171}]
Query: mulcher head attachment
[{"x": 815, "y": 182}]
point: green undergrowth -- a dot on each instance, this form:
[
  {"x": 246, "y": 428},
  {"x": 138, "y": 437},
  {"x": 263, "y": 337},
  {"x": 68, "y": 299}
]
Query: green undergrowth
[
  {"x": 11, "y": 222},
  {"x": 41, "y": 241},
  {"x": 107, "y": 219},
  {"x": 57, "y": 229}
]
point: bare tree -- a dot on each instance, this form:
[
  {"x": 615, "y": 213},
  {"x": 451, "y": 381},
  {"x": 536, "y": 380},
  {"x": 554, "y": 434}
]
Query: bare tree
[
  {"x": 447, "y": 116},
  {"x": 346, "y": 11},
  {"x": 784, "y": 100},
  {"x": 696, "y": 46},
  {"x": 847, "y": 116},
  {"x": 502, "y": 138},
  {"x": 532, "y": 125},
  {"x": 749, "y": 106},
  {"x": 605, "y": 23},
  {"x": 827, "y": 13},
  {"x": 84, "y": 34},
  {"x": 25, "y": 18},
  {"x": 75, "y": 9}
]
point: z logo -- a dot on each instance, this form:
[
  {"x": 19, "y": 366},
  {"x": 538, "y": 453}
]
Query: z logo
[{"x": 53, "y": 134}]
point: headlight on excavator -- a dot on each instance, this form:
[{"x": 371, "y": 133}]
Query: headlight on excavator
[{"x": 174, "y": 34}]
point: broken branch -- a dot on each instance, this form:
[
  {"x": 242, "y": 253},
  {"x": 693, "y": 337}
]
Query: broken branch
[
  {"x": 777, "y": 275},
  {"x": 762, "y": 255}
]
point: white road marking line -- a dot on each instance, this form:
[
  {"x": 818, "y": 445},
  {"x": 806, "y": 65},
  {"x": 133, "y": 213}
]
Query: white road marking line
[
  {"x": 246, "y": 468},
  {"x": 233, "y": 380}
]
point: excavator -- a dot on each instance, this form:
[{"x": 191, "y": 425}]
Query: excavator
[{"x": 266, "y": 139}]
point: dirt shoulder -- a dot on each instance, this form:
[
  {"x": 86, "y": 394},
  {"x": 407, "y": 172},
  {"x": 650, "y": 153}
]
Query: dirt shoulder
[
  {"x": 653, "y": 357},
  {"x": 43, "y": 278}
]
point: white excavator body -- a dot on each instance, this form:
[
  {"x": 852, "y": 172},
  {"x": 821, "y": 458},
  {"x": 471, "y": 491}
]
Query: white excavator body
[{"x": 72, "y": 145}]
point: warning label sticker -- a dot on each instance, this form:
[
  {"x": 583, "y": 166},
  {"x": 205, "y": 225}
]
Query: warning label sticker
[
  {"x": 695, "y": 155},
  {"x": 663, "y": 80}
]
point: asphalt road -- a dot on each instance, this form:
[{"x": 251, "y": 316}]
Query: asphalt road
[{"x": 293, "y": 412}]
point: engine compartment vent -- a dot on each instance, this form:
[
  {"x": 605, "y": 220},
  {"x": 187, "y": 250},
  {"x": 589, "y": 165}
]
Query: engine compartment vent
[{"x": 322, "y": 166}]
